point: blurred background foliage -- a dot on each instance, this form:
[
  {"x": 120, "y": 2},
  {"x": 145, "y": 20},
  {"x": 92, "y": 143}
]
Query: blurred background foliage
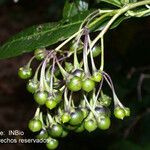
[{"x": 127, "y": 61}]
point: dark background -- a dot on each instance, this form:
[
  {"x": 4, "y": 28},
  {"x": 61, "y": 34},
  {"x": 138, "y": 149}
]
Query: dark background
[{"x": 127, "y": 58}]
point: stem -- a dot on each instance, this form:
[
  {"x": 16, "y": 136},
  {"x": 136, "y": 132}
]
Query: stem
[
  {"x": 110, "y": 83},
  {"x": 35, "y": 78},
  {"x": 76, "y": 62},
  {"x": 102, "y": 54},
  {"x": 92, "y": 110},
  {"x": 94, "y": 69},
  {"x": 85, "y": 59},
  {"x": 66, "y": 102},
  {"x": 52, "y": 75},
  {"x": 30, "y": 61},
  {"x": 118, "y": 13},
  {"x": 89, "y": 16},
  {"x": 69, "y": 39},
  {"x": 63, "y": 72}
]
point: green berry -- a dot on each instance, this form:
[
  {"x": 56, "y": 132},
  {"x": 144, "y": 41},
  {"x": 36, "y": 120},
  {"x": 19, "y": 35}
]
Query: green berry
[
  {"x": 76, "y": 117},
  {"x": 56, "y": 130},
  {"x": 74, "y": 84},
  {"x": 96, "y": 50},
  {"x": 119, "y": 113},
  {"x": 32, "y": 86},
  {"x": 41, "y": 97},
  {"x": 65, "y": 117},
  {"x": 42, "y": 135},
  {"x": 78, "y": 73},
  {"x": 52, "y": 144},
  {"x": 35, "y": 125},
  {"x": 40, "y": 53},
  {"x": 90, "y": 124},
  {"x": 51, "y": 104},
  {"x": 24, "y": 73},
  {"x": 97, "y": 77},
  {"x": 103, "y": 122},
  {"x": 88, "y": 85}
]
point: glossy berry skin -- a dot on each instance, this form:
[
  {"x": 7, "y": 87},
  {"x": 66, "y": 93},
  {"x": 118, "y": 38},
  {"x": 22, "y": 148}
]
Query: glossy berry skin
[
  {"x": 103, "y": 122},
  {"x": 56, "y": 130},
  {"x": 80, "y": 128},
  {"x": 52, "y": 144},
  {"x": 65, "y": 117},
  {"x": 32, "y": 86},
  {"x": 51, "y": 104},
  {"x": 74, "y": 84},
  {"x": 102, "y": 110},
  {"x": 119, "y": 113},
  {"x": 40, "y": 54},
  {"x": 41, "y": 97},
  {"x": 24, "y": 73},
  {"x": 42, "y": 135},
  {"x": 96, "y": 50},
  {"x": 35, "y": 125},
  {"x": 90, "y": 125},
  {"x": 76, "y": 117},
  {"x": 97, "y": 77},
  {"x": 88, "y": 85},
  {"x": 78, "y": 73}
]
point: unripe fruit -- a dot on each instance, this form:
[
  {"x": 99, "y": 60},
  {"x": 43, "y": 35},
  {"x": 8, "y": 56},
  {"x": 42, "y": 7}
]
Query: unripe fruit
[
  {"x": 88, "y": 85},
  {"x": 24, "y": 73},
  {"x": 35, "y": 125},
  {"x": 56, "y": 130},
  {"x": 65, "y": 117},
  {"x": 96, "y": 50},
  {"x": 42, "y": 135},
  {"x": 76, "y": 117},
  {"x": 103, "y": 122},
  {"x": 119, "y": 113},
  {"x": 74, "y": 84},
  {"x": 40, "y": 53},
  {"x": 32, "y": 86},
  {"x": 41, "y": 97},
  {"x": 51, "y": 104},
  {"x": 78, "y": 73},
  {"x": 97, "y": 77},
  {"x": 52, "y": 144},
  {"x": 90, "y": 125}
]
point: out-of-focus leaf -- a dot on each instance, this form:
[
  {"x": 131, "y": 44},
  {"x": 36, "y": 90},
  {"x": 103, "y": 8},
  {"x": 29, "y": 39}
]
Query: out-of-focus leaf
[
  {"x": 112, "y": 2},
  {"x": 40, "y": 36},
  {"x": 72, "y": 8}
]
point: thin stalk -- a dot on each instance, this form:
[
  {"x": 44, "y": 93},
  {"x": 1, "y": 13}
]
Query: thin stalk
[
  {"x": 118, "y": 13},
  {"x": 102, "y": 54},
  {"x": 85, "y": 59}
]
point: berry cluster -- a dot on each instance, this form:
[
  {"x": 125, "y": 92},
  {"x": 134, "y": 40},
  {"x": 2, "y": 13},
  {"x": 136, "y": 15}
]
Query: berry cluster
[{"x": 67, "y": 86}]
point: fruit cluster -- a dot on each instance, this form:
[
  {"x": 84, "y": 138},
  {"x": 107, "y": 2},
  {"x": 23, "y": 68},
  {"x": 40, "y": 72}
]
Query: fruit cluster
[{"x": 67, "y": 86}]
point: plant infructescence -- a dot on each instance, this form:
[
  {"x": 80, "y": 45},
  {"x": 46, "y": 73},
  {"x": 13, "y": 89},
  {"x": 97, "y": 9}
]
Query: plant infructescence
[{"x": 67, "y": 83}]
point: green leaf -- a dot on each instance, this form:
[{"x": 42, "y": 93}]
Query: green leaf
[
  {"x": 112, "y": 2},
  {"x": 72, "y": 8},
  {"x": 40, "y": 36}
]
